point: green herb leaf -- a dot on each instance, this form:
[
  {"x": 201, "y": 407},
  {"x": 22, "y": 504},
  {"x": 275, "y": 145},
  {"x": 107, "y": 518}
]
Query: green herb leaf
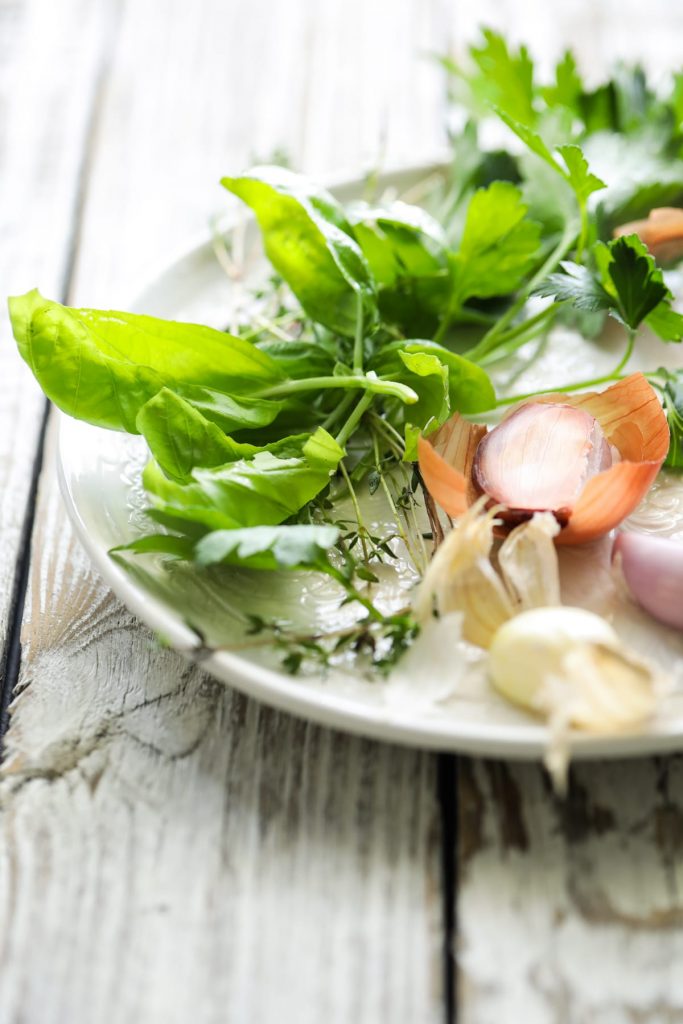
[
  {"x": 627, "y": 283},
  {"x": 181, "y": 439},
  {"x": 580, "y": 177},
  {"x": 499, "y": 246},
  {"x": 673, "y": 404},
  {"x": 265, "y": 489},
  {"x": 102, "y": 367},
  {"x": 636, "y": 278},
  {"x": 568, "y": 87},
  {"x": 232, "y": 412},
  {"x": 666, "y": 322},
  {"x": 578, "y": 285},
  {"x": 506, "y": 77},
  {"x": 469, "y": 387},
  {"x": 309, "y": 242},
  {"x": 269, "y": 547}
]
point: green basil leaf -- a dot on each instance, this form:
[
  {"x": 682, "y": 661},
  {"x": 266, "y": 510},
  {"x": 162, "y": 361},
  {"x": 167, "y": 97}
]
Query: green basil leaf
[
  {"x": 269, "y": 547},
  {"x": 181, "y": 439},
  {"x": 300, "y": 359},
  {"x": 265, "y": 489},
  {"x": 232, "y": 412},
  {"x": 158, "y": 544},
  {"x": 309, "y": 242},
  {"x": 104, "y": 366},
  {"x": 398, "y": 241},
  {"x": 469, "y": 387}
]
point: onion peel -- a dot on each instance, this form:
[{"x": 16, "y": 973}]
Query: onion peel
[{"x": 632, "y": 420}]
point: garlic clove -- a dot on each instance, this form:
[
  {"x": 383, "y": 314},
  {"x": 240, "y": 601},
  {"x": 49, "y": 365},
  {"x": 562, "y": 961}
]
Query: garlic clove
[
  {"x": 569, "y": 664},
  {"x": 529, "y": 649},
  {"x": 653, "y": 570},
  {"x": 540, "y": 457}
]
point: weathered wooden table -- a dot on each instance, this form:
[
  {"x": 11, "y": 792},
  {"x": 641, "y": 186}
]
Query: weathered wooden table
[{"x": 170, "y": 851}]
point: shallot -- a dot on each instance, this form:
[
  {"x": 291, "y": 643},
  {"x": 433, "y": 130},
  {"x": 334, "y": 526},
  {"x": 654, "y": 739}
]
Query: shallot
[{"x": 653, "y": 570}]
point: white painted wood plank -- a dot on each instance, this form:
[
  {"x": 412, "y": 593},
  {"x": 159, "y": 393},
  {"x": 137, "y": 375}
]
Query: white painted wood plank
[
  {"x": 571, "y": 911},
  {"x": 168, "y": 850},
  {"x": 46, "y": 81}
]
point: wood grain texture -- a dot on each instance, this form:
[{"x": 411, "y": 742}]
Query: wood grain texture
[
  {"x": 168, "y": 850},
  {"x": 47, "y": 89},
  {"x": 572, "y": 911},
  {"x": 172, "y": 852}
]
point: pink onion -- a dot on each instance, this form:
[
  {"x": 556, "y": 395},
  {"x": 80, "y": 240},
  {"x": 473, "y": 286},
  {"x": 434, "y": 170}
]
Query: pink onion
[
  {"x": 653, "y": 569},
  {"x": 540, "y": 458}
]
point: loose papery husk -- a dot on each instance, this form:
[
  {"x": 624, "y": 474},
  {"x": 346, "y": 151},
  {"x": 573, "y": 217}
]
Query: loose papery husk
[
  {"x": 462, "y": 577},
  {"x": 602, "y": 689}
]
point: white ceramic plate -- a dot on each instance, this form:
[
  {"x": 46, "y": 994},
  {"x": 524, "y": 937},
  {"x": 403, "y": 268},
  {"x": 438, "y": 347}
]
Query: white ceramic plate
[{"x": 439, "y": 697}]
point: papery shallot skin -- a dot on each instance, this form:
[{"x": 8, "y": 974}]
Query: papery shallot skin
[
  {"x": 653, "y": 570},
  {"x": 632, "y": 431}
]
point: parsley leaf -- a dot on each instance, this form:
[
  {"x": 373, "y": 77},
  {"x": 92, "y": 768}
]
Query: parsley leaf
[
  {"x": 580, "y": 178},
  {"x": 499, "y": 245},
  {"x": 636, "y": 278},
  {"x": 506, "y": 77},
  {"x": 578, "y": 285},
  {"x": 627, "y": 282}
]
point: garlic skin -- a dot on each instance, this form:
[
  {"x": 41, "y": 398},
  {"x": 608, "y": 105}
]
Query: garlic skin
[
  {"x": 463, "y": 578},
  {"x": 569, "y": 665},
  {"x": 653, "y": 570}
]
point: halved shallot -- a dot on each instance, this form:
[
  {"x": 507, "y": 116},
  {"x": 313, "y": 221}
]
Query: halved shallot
[{"x": 589, "y": 459}]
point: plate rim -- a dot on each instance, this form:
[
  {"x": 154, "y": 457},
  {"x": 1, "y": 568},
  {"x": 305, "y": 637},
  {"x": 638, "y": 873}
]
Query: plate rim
[{"x": 379, "y": 722}]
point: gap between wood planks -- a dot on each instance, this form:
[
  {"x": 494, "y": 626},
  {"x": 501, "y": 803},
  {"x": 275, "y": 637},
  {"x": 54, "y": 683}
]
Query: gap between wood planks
[
  {"x": 10, "y": 660},
  {"x": 447, "y": 793}
]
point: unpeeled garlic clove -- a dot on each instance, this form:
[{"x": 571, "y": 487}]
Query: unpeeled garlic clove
[
  {"x": 653, "y": 570},
  {"x": 569, "y": 663}
]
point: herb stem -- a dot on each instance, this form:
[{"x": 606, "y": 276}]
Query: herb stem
[
  {"x": 392, "y": 505},
  {"x": 391, "y": 434},
  {"x": 517, "y": 334},
  {"x": 369, "y": 382},
  {"x": 339, "y": 410},
  {"x": 356, "y": 508},
  {"x": 354, "y": 419},
  {"x": 492, "y": 339},
  {"x": 577, "y": 385},
  {"x": 358, "y": 339}
]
